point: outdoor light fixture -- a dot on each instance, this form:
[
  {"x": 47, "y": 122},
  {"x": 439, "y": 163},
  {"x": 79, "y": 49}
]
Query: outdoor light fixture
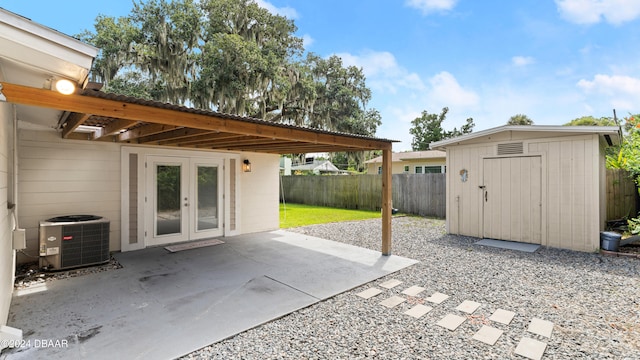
[
  {"x": 65, "y": 87},
  {"x": 246, "y": 165}
]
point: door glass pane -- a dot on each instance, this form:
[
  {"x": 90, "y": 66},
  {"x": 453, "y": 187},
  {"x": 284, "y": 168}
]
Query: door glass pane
[
  {"x": 168, "y": 216},
  {"x": 207, "y": 210}
]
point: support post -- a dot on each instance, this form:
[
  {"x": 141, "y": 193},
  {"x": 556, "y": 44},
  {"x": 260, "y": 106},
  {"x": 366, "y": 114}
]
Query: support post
[{"x": 386, "y": 202}]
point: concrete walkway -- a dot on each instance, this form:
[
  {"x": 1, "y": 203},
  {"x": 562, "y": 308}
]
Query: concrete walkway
[{"x": 163, "y": 305}]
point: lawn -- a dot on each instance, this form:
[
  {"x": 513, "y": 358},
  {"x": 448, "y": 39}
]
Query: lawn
[{"x": 294, "y": 215}]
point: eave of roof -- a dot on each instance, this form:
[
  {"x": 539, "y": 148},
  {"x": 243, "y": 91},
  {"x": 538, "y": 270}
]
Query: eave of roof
[
  {"x": 612, "y": 131},
  {"x": 125, "y": 119}
]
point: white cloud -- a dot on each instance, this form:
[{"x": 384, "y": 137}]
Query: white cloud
[
  {"x": 522, "y": 60},
  {"x": 307, "y": 40},
  {"x": 429, "y": 6},
  {"x": 592, "y": 11},
  {"x": 621, "y": 92},
  {"x": 286, "y": 11},
  {"x": 612, "y": 85},
  {"x": 382, "y": 71},
  {"x": 447, "y": 90}
]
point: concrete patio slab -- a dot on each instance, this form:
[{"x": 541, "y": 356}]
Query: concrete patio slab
[
  {"x": 164, "y": 305},
  {"x": 413, "y": 291},
  {"x": 437, "y": 298},
  {"x": 369, "y": 293},
  {"x": 540, "y": 327},
  {"x": 393, "y": 301},
  {"x": 451, "y": 321},
  {"x": 468, "y": 306},
  {"x": 502, "y": 316},
  {"x": 530, "y": 348},
  {"x": 418, "y": 311},
  {"x": 390, "y": 284},
  {"x": 488, "y": 335}
]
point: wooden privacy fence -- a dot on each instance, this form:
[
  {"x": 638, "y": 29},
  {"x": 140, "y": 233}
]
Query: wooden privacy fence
[
  {"x": 419, "y": 194},
  {"x": 621, "y": 195}
]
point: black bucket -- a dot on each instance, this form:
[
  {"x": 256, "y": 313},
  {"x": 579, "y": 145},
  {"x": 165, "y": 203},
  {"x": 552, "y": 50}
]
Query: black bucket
[{"x": 610, "y": 241}]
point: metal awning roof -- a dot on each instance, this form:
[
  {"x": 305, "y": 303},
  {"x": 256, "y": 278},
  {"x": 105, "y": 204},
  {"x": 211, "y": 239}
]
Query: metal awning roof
[{"x": 97, "y": 116}]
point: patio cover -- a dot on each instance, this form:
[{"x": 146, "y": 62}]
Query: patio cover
[{"x": 129, "y": 120}]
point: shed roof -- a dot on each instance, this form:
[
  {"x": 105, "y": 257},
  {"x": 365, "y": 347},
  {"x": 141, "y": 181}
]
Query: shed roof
[{"x": 611, "y": 134}]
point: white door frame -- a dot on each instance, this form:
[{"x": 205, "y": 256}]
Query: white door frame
[{"x": 134, "y": 187}]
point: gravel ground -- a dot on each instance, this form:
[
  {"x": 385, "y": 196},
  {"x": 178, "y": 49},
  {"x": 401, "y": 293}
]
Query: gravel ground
[{"x": 593, "y": 300}]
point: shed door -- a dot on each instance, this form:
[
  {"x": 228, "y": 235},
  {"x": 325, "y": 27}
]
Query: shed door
[{"x": 512, "y": 199}]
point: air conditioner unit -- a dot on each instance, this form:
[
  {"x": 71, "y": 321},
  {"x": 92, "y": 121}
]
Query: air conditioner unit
[{"x": 73, "y": 240}]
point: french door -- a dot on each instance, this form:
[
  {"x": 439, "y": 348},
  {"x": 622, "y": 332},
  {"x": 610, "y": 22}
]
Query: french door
[{"x": 183, "y": 199}]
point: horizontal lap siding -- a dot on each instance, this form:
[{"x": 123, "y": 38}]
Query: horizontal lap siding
[
  {"x": 60, "y": 177},
  {"x": 6, "y": 241}
]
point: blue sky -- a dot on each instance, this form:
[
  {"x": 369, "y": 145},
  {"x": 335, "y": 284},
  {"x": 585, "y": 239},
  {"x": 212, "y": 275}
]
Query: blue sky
[{"x": 553, "y": 60}]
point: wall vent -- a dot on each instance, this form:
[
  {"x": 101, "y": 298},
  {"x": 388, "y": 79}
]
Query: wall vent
[{"x": 511, "y": 149}]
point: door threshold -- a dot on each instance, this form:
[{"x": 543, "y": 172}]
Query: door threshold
[
  {"x": 193, "y": 245},
  {"x": 511, "y": 245}
]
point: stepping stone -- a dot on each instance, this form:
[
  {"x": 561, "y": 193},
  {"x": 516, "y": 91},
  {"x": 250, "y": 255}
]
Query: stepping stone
[
  {"x": 437, "y": 298},
  {"x": 413, "y": 291},
  {"x": 391, "y": 283},
  {"x": 502, "y": 316},
  {"x": 488, "y": 335},
  {"x": 468, "y": 306},
  {"x": 393, "y": 301},
  {"x": 451, "y": 321},
  {"x": 530, "y": 348},
  {"x": 541, "y": 327},
  {"x": 418, "y": 310},
  {"x": 369, "y": 293}
]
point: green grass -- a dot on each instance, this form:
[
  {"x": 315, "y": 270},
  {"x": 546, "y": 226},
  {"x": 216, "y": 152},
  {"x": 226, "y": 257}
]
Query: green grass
[{"x": 301, "y": 215}]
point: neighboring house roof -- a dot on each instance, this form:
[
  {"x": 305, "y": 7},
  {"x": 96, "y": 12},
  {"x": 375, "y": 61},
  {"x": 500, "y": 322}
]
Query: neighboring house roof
[
  {"x": 411, "y": 155},
  {"x": 611, "y": 134},
  {"x": 320, "y": 166}
]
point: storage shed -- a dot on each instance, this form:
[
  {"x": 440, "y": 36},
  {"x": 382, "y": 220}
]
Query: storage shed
[{"x": 533, "y": 184}]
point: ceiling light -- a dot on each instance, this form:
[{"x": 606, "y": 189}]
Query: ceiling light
[{"x": 65, "y": 87}]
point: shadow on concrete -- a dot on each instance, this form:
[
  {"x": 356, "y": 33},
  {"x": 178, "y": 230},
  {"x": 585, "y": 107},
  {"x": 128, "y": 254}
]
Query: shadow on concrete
[{"x": 164, "y": 305}]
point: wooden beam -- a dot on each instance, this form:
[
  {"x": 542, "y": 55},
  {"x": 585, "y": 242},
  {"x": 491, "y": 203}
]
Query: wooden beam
[
  {"x": 175, "y": 117},
  {"x": 172, "y": 135},
  {"x": 73, "y": 121},
  {"x": 142, "y": 131},
  {"x": 206, "y": 137},
  {"x": 116, "y": 126},
  {"x": 387, "y": 200}
]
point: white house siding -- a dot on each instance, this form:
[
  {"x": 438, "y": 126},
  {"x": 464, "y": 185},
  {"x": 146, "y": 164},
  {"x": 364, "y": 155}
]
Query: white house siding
[
  {"x": 6, "y": 223},
  {"x": 259, "y": 193},
  {"x": 572, "y": 195},
  {"x": 64, "y": 177}
]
